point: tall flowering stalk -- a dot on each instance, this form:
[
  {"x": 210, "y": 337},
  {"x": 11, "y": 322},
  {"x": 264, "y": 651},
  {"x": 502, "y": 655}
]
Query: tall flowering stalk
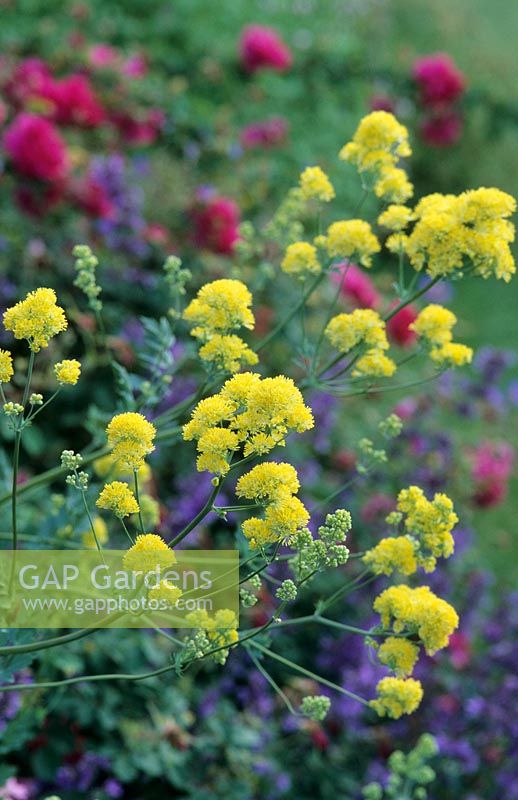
[{"x": 238, "y": 416}]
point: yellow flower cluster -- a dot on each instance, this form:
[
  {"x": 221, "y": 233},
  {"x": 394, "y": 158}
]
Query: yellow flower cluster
[
  {"x": 351, "y": 238},
  {"x": 396, "y": 217},
  {"x": 418, "y": 611},
  {"x": 396, "y": 697},
  {"x": 6, "y": 366},
  {"x": 315, "y": 185},
  {"x": 67, "y": 372},
  {"x": 221, "y": 629},
  {"x": 429, "y": 523},
  {"x": 218, "y": 309},
  {"x": 149, "y": 552},
  {"x": 451, "y": 230},
  {"x": 165, "y": 590},
  {"x": 362, "y": 326},
  {"x": 118, "y": 497},
  {"x": 250, "y": 413},
  {"x": 300, "y": 259},
  {"x": 399, "y": 655},
  {"x": 228, "y": 353},
  {"x": 434, "y": 324},
  {"x": 390, "y": 554},
  {"x": 131, "y": 437},
  {"x": 274, "y": 486},
  {"x": 376, "y": 147},
  {"x": 37, "y": 318}
]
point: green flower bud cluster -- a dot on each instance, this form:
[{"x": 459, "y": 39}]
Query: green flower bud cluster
[
  {"x": 370, "y": 455},
  {"x": 36, "y": 399},
  {"x": 248, "y": 592},
  {"x": 12, "y": 409},
  {"x": 409, "y": 774},
  {"x": 86, "y": 264},
  {"x": 315, "y": 706},
  {"x": 333, "y": 533},
  {"x": 328, "y": 550},
  {"x": 71, "y": 460},
  {"x": 287, "y": 591},
  {"x": 176, "y": 278},
  {"x": 391, "y": 426},
  {"x": 286, "y": 227}
]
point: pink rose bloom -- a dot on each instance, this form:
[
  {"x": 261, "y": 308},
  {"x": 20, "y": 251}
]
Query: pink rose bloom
[
  {"x": 135, "y": 67},
  {"x": 443, "y": 129},
  {"x": 140, "y": 131},
  {"x": 36, "y": 148},
  {"x": 262, "y": 48},
  {"x": 356, "y": 286},
  {"x": 382, "y": 102},
  {"x": 492, "y": 465},
  {"x": 92, "y": 198},
  {"x": 102, "y": 55},
  {"x": 30, "y": 79},
  {"x": 269, "y": 133},
  {"x": 216, "y": 225},
  {"x": 440, "y": 81},
  {"x": 398, "y": 327},
  {"x": 75, "y": 102}
]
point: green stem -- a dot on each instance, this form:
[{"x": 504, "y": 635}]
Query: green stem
[
  {"x": 198, "y": 518},
  {"x": 16, "y": 649},
  {"x": 137, "y": 495},
  {"x": 287, "y": 319}
]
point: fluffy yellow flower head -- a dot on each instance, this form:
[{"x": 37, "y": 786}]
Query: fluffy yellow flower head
[
  {"x": 374, "y": 364},
  {"x": 228, "y": 353},
  {"x": 429, "y": 523},
  {"x": 352, "y": 238},
  {"x": 6, "y": 366},
  {"x": 390, "y": 554},
  {"x": 248, "y": 412},
  {"x": 363, "y": 325},
  {"x": 452, "y": 354},
  {"x": 68, "y": 371},
  {"x": 435, "y": 324},
  {"x": 131, "y": 437},
  {"x": 418, "y": 611},
  {"x": 315, "y": 185},
  {"x": 149, "y": 552},
  {"x": 220, "y": 307},
  {"x": 396, "y": 217},
  {"x": 399, "y": 655},
  {"x": 118, "y": 497},
  {"x": 37, "y": 318},
  {"x": 393, "y": 185},
  {"x": 101, "y": 532},
  {"x": 300, "y": 259},
  {"x": 379, "y": 140},
  {"x": 396, "y": 697},
  {"x": 167, "y": 591}
]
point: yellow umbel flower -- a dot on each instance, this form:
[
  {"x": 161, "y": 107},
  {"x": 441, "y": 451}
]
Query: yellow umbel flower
[
  {"x": 352, "y": 238},
  {"x": 379, "y": 140},
  {"x": 167, "y": 591},
  {"x": 301, "y": 259},
  {"x": 220, "y": 307},
  {"x": 315, "y": 185},
  {"x": 418, "y": 611},
  {"x": 267, "y": 480},
  {"x": 67, "y": 372},
  {"x": 221, "y": 630},
  {"x": 227, "y": 353},
  {"x": 374, "y": 364},
  {"x": 396, "y": 217},
  {"x": 118, "y": 497},
  {"x": 345, "y": 331},
  {"x": 250, "y": 413},
  {"x": 131, "y": 437},
  {"x": 429, "y": 523},
  {"x": 390, "y": 554},
  {"x": 434, "y": 323},
  {"x": 6, "y": 366},
  {"x": 37, "y": 318},
  {"x": 399, "y": 655},
  {"x": 452, "y": 354},
  {"x": 101, "y": 532},
  {"x": 149, "y": 552},
  {"x": 396, "y": 697}
]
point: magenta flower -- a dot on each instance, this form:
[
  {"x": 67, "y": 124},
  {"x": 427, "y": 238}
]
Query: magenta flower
[
  {"x": 36, "y": 148},
  {"x": 440, "y": 81},
  {"x": 262, "y": 48}
]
